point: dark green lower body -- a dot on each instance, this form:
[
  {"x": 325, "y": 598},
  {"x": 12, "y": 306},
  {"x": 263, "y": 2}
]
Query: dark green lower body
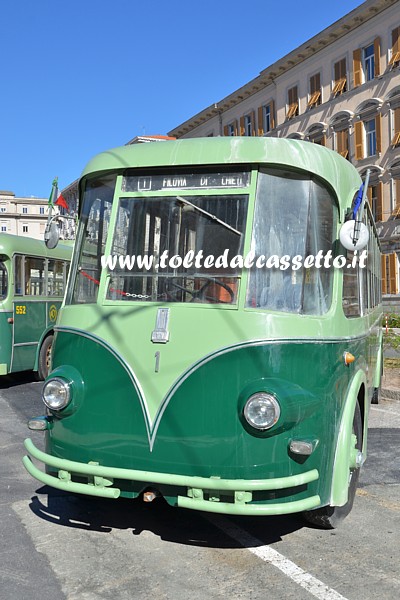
[{"x": 199, "y": 452}]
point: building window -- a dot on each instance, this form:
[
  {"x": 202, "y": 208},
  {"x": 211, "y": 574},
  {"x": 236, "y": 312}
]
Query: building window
[
  {"x": 394, "y": 208},
  {"x": 4, "y": 228},
  {"x": 367, "y": 130},
  {"x": 315, "y": 90},
  {"x": 395, "y": 127},
  {"x": 342, "y": 142},
  {"x": 390, "y": 274},
  {"x": 293, "y": 103},
  {"x": 41, "y": 208},
  {"x": 370, "y": 137},
  {"x": 375, "y": 198},
  {"x": 366, "y": 62},
  {"x": 340, "y": 75},
  {"x": 24, "y": 210},
  {"x": 320, "y": 140},
  {"x": 24, "y": 228},
  {"x": 266, "y": 118},
  {"x": 395, "y": 52},
  {"x": 369, "y": 62},
  {"x": 396, "y": 197},
  {"x": 231, "y": 128},
  {"x": 317, "y": 134},
  {"x": 3, "y": 209},
  {"x": 248, "y": 125}
]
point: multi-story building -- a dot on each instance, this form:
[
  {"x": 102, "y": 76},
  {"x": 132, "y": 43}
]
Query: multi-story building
[
  {"x": 340, "y": 89},
  {"x": 23, "y": 216},
  {"x": 28, "y": 216}
]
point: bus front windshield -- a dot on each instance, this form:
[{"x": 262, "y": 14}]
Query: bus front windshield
[
  {"x": 165, "y": 248},
  {"x": 169, "y": 248},
  {"x": 295, "y": 217}
]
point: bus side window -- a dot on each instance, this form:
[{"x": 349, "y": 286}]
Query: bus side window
[
  {"x": 34, "y": 276},
  {"x": 3, "y": 280},
  {"x": 55, "y": 278},
  {"x": 361, "y": 286},
  {"x": 18, "y": 277},
  {"x": 351, "y": 298}
]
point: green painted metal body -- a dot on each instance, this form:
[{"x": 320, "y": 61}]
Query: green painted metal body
[
  {"x": 25, "y": 320},
  {"x": 179, "y": 427}
]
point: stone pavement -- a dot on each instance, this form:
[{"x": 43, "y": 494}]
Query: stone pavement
[{"x": 391, "y": 383}]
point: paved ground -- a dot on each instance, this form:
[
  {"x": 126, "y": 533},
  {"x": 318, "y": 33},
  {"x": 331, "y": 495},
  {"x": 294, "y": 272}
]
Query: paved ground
[
  {"x": 56, "y": 546},
  {"x": 390, "y": 387},
  {"x": 391, "y": 379}
]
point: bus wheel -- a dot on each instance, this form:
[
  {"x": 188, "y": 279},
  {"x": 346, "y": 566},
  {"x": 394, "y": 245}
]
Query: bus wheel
[
  {"x": 375, "y": 396},
  {"x": 330, "y": 517},
  {"x": 45, "y": 358}
]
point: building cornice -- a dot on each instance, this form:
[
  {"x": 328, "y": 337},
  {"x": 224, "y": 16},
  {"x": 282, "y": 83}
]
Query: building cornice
[{"x": 328, "y": 36}]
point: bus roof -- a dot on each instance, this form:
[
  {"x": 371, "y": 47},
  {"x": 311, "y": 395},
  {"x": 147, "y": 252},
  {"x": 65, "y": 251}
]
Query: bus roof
[
  {"x": 14, "y": 244},
  {"x": 296, "y": 154}
]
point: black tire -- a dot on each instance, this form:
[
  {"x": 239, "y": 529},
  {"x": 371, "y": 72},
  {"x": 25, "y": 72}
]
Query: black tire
[
  {"x": 377, "y": 391},
  {"x": 330, "y": 517},
  {"x": 375, "y": 396},
  {"x": 45, "y": 358}
]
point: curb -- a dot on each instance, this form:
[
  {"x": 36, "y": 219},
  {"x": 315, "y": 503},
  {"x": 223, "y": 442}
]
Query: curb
[{"x": 390, "y": 394}]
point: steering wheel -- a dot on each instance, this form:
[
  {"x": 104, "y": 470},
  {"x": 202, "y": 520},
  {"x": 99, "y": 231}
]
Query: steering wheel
[{"x": 200, "y": 293}]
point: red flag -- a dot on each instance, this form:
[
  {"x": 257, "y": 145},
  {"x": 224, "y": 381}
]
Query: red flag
[{"x": 61, "y": 201}]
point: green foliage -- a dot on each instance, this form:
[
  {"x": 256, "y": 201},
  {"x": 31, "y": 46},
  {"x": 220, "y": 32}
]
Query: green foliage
[
  {"x": 391, "y": 363},
  {"x": 391, "y": 340},
  {"x": 393, "y": 320}
]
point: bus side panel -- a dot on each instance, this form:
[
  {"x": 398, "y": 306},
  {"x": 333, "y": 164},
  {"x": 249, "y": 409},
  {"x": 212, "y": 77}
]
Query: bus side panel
[
  {"x": 29, "y": 323},
  {"x": 5, "y": 342}
]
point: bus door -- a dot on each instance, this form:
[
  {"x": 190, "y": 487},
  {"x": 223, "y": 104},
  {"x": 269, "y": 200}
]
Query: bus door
[{"x": 5, "y": 314}]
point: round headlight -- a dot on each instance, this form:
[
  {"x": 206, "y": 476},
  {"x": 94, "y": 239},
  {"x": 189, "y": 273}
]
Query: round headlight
[
  {"x": 262, "y": 411},
  {"x": 56, "y": 393}
]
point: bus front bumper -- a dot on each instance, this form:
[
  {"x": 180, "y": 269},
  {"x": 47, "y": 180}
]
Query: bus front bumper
[{"x": 203, "y": 493}]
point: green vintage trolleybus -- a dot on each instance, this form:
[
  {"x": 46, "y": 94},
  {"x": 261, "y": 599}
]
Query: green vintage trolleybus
[
  {"x": 179, "y": 370},
  {"x": 32, "y": 285}
]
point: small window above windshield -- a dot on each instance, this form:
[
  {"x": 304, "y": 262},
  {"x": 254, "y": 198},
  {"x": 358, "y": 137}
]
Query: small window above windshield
[{"x": 185, "y": 181}]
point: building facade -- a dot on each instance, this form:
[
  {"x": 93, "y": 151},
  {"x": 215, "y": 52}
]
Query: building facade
[
  {"x": 340, "y": 89},
  {"x": 23, "y": 216}
]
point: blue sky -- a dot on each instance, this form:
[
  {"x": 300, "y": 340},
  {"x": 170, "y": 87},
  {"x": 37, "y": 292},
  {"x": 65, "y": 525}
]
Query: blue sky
[{"x": 81, "y": 76}]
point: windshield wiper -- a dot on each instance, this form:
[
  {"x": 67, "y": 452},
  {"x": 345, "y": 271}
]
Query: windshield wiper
[{"x": 210, "y": 215}]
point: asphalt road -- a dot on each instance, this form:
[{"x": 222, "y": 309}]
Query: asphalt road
[{"x": 56, "y": 546}]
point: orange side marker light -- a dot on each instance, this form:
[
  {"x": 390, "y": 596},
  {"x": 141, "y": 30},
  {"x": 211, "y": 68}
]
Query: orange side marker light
[{"x": 348, "y": 358}]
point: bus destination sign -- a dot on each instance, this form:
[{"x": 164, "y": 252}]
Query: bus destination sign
[{"x": 190, "y": 181}]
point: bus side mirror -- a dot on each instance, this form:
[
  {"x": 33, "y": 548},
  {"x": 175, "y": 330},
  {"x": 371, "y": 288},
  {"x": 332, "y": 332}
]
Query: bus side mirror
[
  {"x": 51, "y": 235},
  {"x": 354, "y": 230}
]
